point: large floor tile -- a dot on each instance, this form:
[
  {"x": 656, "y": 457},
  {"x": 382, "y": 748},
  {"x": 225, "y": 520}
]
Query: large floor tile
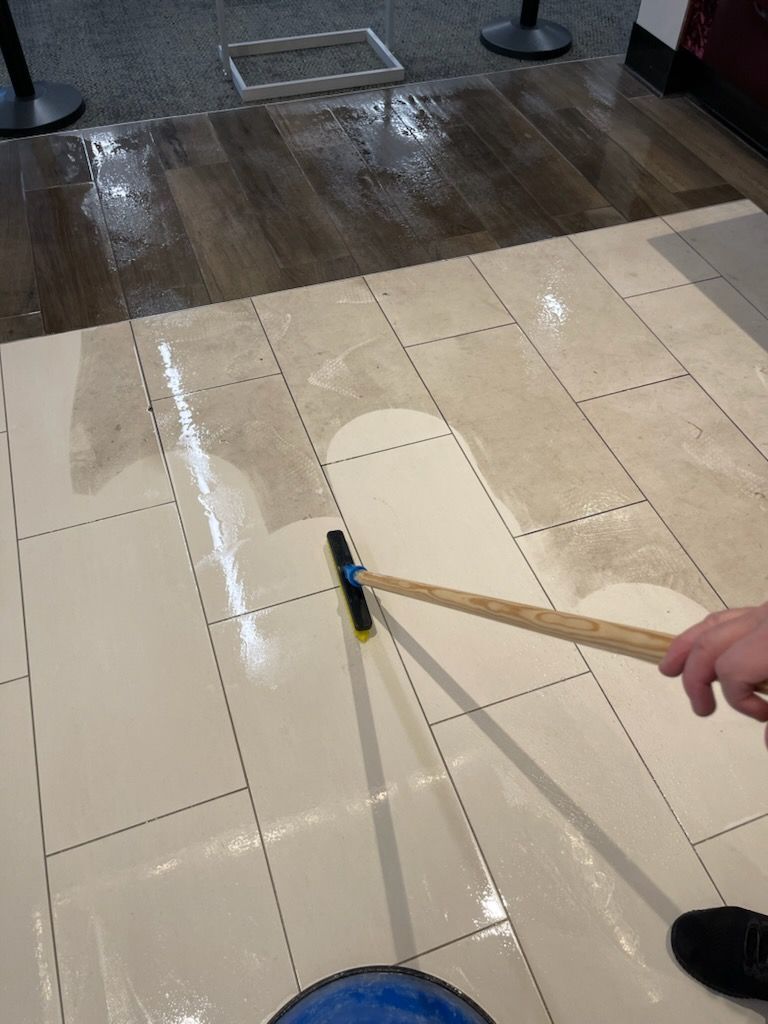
[
  {"x": 704, "y": 478},
  {"x": 489, "y": 968},
  {"x": 356, "y": 807},
  {"x": 537, "y": 455},
  {"x": 591, "y": 863},
  {"x": 722, "y": 340},
  {"x": 421, "y": 513},
  {"x": 626, "y": 566},
  {"x": 202, "y": 347},
  {"x": 174, "y": 921},
  {"x": 353, "y": 383},
  {"x": 13, "y": 655},
  {"x": 736, "y": 861},
  {"x": 733, "y": 237},
  {"x": 642, "y": 256},
  {"x": 437, "y": 300},
  {"x": 253, "y": 499},
  {"x": 29, "y": 991},
  {"x": 2, "y": 403},
  {"x": 585, "y": 331},
  {"x": 82, "y": 442},
  {"x": 130, "y": 717}
]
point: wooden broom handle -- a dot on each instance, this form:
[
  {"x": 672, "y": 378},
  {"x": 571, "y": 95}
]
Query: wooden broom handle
[{"x": 645, "y": 644}]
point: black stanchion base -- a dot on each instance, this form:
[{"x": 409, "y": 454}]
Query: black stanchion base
[
  {"x": 542, "y": 40},
  {"x": 53, "y": 106}
]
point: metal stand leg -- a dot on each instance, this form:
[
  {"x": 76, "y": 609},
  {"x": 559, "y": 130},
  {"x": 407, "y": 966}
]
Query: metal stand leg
[
  {"x": 527, "y": 37},
  {"x": 27, "y": 107}
]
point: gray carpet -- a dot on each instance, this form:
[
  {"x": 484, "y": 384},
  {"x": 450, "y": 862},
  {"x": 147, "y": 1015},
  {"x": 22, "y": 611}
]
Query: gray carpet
[{"x": 136, "y": 59}]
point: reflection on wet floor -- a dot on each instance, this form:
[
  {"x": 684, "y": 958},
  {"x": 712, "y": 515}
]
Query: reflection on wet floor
[{"x": 236, "y": 797}]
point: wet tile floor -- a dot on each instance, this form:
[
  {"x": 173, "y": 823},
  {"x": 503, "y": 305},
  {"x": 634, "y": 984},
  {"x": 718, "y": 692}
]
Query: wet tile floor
[{"x": 213, "y": 795}]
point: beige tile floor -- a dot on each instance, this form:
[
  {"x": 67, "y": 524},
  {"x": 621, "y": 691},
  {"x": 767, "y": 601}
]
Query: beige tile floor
[{"x": 213, "y": 795}]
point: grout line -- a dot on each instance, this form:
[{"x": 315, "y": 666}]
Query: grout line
[
  {"x": 610, "y": 449},
  {"x": 392, "y": 448},
  {"x": 115, "y": 268},
  {"x": 672, "y": 354},
  {"x": 35, "y": 272},
  {"x": 213, "y": 387},
  {"x": 56, "y": 185},
  {"x": 294, "y": 402},
  {"x": 87, "y": 142},
  {"x": 669, "y": 288},
  {"x": 464, "y": 334},
  {"x": 32, "y": 723},
  {"x": 438, "y": 129},
  {"x": 296, "y": 163},
  {"x": 405, "y": 668},
  {"x": 512, "y": 696},
  {"x": 581, "y": 652},
  {"x": 481, "y": 854},
  {"x": 100, "y": 519},
  {"x": 149, "y": 821},
  {"x": 696, "y": 380},
  {"x": 385, "y": 622},
  {"x": 580, "y": 519},
  {"x": 16, "y": 679},
  {"x": 732, "y": 828},
  {"x": 221, "y": 683},
  {"x": 460, "y": 938},
  {"x": 654, "y": 780},
  {"x": 674, "y": 536},
  {"x": 667, "y": 527},
  {"x": 472, "y": 468},
  {"x": 534, "y": 127},
  {"x": 269, "y": 607},
  {"x": 633, "y": 387}
]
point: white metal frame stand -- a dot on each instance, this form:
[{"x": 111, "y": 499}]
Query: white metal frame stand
[{"x": 392, "y": 71}]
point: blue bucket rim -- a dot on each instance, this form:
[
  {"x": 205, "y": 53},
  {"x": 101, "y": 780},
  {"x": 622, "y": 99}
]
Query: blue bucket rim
[{"x": 380, "y": 969}]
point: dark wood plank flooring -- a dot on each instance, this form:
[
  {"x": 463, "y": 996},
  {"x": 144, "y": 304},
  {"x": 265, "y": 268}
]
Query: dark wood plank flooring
[{"x": 161, "y": 215}]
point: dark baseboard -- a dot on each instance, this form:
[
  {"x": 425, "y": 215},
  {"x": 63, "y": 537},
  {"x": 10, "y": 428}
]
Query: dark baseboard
[
  {"x": 674, "y": 71},
  {"x": 654, "y": 61}
]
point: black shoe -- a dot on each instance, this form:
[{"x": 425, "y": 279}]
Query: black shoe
[{"x": 725, "y": 949}]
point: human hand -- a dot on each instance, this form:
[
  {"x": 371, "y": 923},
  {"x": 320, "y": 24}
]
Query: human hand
[{"x": 730, "y": 646}]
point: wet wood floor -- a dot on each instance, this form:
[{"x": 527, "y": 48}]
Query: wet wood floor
[{"x": 150, "y": 217}]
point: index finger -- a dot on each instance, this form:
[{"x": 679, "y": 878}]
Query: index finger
[{"x": 673, "y": 661}]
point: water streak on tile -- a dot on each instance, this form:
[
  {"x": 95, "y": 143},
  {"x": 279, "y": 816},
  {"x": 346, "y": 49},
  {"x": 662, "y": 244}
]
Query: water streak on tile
[
  {"x": 28, "y": 984},
  {"x": 174, "y": 922},
  {"x": 82, "y": 442},
  {"x": 489, "y": 968},
  {"x": 155, "y": 261},
  {"x": 420, "y": 512},
  {"x": 13, "y": 655},
  {"x": 355, "y": 388},
  {"x": 350, "y": 790},
  {"x": 252, "y": 495},
  {"x": 202, "y": 347},
  {"x": 625, "y": 566},
  {"x": 571, "y": 821},
  {"x": 130, "y": 719},
  {"x": 585, "y": 332}
]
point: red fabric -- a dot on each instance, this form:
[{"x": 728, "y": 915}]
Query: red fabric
[{"x": 731, "y": 37}]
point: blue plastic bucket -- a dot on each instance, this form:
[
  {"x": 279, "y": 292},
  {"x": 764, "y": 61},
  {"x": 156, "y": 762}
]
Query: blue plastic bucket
[{"x": 381, "y": 995}]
